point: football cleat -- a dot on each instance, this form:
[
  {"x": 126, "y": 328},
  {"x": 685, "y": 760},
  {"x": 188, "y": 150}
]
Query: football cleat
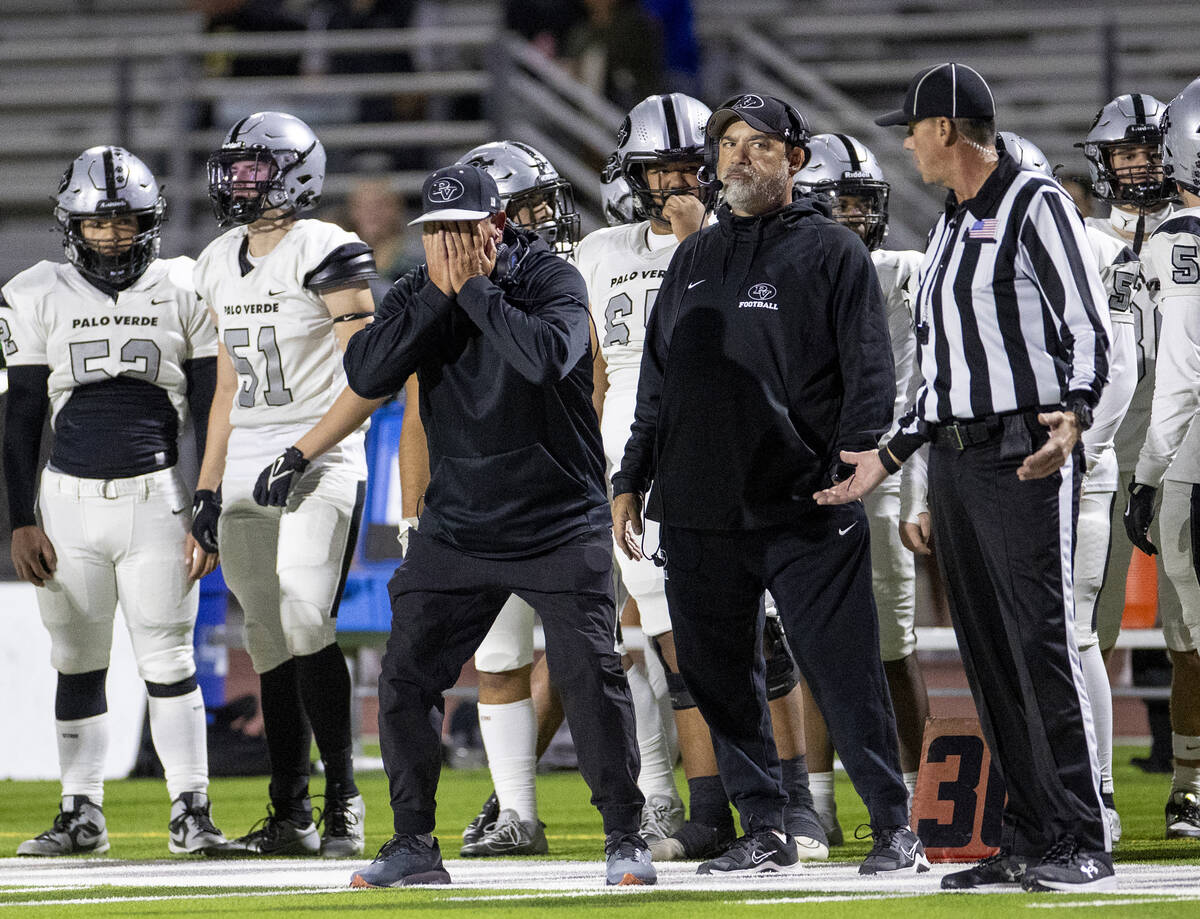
[
  {"x": 1001, "y": 868},
  {"x": 692, "y": 842},
  {"x": 486, "y": 817},
  {"x": 403, "y": 861},
  {"x": 1065, "y": 867},
  {"x": 662, "y": 815},
  {"x": 1183, "y": 815},
  {"x": 191, "y": 829},
  {"x": 342, "y": 831},
  {"x": 627, "y": 860},
  {"x": 896, "y": 848},
  {"x": 509, "y": 835},
  {"x": 78, "y": 828},
  {"x": 765, "y": 850},
  {"x": 273, "y": 835}
]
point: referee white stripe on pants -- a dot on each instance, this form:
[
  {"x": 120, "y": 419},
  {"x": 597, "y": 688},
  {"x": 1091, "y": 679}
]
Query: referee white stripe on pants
[{"x": 1005, "y": 547}]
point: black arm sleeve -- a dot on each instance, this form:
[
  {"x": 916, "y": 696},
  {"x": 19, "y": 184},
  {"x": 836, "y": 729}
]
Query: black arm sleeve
[
  {"x": 201, "y": 376},
  {"x": 28, "y": 403},
  {"x": 342, "y": 267}
]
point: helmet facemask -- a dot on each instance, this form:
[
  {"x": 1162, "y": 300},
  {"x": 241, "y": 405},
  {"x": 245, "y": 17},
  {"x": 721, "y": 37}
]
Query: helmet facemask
[
  {"x": 120, "y": 262},
  {"x": 1143, "y": 185},
  {"x": 647, "y": 203},
  {"x": 246, "y": 182},
  {"x": 548, "y": 210},
  {"x": 866, "y": 215}
]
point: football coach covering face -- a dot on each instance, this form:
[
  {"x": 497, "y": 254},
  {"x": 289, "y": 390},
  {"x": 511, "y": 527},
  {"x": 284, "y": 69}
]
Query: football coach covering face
[
  {"x": 1014, "y": 336},
  {"x": 496, "y": 327},
  {"x": 766, "y": 353}
]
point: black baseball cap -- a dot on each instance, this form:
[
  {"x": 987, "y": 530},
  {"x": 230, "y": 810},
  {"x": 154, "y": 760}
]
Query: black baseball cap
[
  {"x": 947, "y": 90},
  {"x": 458, "y": 193},
  {"x": 766, "y": 113}
]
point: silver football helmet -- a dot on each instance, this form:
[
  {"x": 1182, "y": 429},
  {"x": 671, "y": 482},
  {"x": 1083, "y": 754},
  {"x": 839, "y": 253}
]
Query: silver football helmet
[
  {"x": 840, "y": 167},
  {"x": 1134, "y": 119},
  {"x": 534, "y": 195},
  {"x": 1026, "y": 153},
  {"x": 660, "y": 129},
  {"x": 1181, "y": 139},
  {"x": 103, "y": 183},
  {"x": 270, "y": 161},
  {"x": 616, "y": 194}
]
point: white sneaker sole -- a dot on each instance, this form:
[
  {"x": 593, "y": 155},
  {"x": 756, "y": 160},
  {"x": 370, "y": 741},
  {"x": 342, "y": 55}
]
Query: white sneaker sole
[
  {"x": 1101, "y": 884},
  {"x": 810, "y": 850}
]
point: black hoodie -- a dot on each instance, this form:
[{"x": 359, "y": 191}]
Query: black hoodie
[
  {"x": 767, "y": 352},
  {"x": 505, "y": 372}
]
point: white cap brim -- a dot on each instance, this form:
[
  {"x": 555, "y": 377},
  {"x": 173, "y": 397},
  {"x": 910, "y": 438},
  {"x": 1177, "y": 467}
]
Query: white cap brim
[{"x": 449, "y": 214}]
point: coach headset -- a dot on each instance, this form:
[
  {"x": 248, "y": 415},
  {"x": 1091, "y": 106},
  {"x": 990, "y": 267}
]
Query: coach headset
[{"x": 796, "y": 134}]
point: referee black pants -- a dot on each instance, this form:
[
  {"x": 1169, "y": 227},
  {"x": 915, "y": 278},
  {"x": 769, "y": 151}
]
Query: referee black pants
[
  {"x": 819, "y": 572},
  {"x": 1006, "y": 549},
  {"x": 443, "y": 603}
]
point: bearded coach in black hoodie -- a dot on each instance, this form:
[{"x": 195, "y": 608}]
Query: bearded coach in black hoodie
[{"x": 766, "y": 353}]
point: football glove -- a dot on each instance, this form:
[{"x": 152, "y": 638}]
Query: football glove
[
  {"x": 1139, "y": 512},
  {"x": 206, "y": 510},
  {"x": 274, "y": 482}
]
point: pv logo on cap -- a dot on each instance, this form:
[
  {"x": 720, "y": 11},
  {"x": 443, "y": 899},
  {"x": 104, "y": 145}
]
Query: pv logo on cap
[
  {"x": 761, "y": 292},
  {"x": 446, "y": 190},
  {"x": 749, "y": 101}
]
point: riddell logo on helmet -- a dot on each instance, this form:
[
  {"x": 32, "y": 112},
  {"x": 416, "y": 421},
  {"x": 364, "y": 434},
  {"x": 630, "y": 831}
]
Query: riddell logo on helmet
[
  {"x": 446, "y": 190},
  {"x": 749, "y": 101}
]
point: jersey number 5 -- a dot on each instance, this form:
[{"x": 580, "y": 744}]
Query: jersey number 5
[
  {"x": 276, "y": 392},
  {"x": 142, "y": 353},
  {"x": 1187, "y": 268}
]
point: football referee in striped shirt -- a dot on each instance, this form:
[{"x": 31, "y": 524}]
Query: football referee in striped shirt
[{"x": 1013, "y": 330}]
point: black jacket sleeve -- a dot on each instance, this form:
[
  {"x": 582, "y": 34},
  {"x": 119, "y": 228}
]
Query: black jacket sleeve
[
  {"x": 544, "y": 341},
  {"x": 637, "y": 465},
  {"x": 864, "y": 347},
  {"x": 24, "y": 417},
  {"x": 201, "y": 373},
  {"x": 381, "y": 356}
]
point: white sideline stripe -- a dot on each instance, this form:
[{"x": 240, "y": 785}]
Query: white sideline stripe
[
  {"x": 833, "y": 898},
  {"x": 155, "y": 898},
  {"x": 1110, "y": 902}
]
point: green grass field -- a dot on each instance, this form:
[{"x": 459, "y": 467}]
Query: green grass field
[{"x": 136, "y": 811}]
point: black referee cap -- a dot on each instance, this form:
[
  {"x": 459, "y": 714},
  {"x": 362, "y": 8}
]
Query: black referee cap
[{"x": 947, "y": 90}]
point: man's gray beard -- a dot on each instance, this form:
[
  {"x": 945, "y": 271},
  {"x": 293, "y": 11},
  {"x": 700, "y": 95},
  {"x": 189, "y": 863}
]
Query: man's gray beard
[{"x": 759, "y": 193}]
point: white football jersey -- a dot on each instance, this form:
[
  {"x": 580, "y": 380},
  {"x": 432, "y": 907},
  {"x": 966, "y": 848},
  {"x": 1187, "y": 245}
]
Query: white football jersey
[
  {"x": 277, "y": 331},
  {"x": 1146, "y": 324},
  {"x": 1122, "y": 275},
  {"x": 895, "y": 270},
  {"x": 54, "y": 317},
  {"x": 1173, "y": 253},
  {"x": 623, "y": 268}
]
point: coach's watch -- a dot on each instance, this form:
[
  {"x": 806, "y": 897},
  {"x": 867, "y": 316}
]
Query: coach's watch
[{"x": 1082, "y": 412}]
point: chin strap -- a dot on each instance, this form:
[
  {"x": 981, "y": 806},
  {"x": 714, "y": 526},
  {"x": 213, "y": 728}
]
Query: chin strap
[{"x": 1139, "y": 233}]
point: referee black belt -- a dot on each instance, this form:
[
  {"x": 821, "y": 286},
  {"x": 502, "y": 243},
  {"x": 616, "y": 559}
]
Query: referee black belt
[{"x": 963, "y": 434}]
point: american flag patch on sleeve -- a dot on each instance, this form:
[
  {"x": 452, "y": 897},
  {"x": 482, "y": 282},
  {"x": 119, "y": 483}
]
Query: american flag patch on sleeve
[{"x": 983, "y": 230}]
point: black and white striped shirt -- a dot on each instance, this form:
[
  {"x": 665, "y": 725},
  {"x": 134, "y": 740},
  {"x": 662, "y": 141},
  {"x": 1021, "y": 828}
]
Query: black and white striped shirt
[{"x": 1010, "y": 310}]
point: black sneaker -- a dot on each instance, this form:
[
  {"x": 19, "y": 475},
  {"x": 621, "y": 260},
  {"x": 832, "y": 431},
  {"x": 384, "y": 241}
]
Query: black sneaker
[
  {"x": 1001, "y": 868},
  {"x": 766, "y": 850},
  {"x": 509, "y": 835},
  {"x": 488, "y": 814},
  {"x": 692, "y": 842},
  {"x": 273, "y": 835},
  {"x": 1065, "y": 867},
  {"x": 403, "y": 861},
  {"x": 896, "y": 848},
  {"x": 1183, "y": 815}
]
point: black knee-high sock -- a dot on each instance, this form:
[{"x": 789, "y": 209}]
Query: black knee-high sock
[
  {"x": 708, "y": 803},
  {"x": 289, "y": 739},
  {"x": 325, "y": 688},
  {"x": 795, "y": 783}
]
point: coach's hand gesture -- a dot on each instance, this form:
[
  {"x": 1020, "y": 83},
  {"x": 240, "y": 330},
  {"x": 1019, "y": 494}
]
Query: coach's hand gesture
[
  {"x": 437, "y": 257},
  {"x": 627, "y": 524},
  {"x": 1064, "y": 433},
  {"x": 868, "y": 472}
]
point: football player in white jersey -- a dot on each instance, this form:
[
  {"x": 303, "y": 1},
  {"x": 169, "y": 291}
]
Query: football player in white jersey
[
  {"x": 660, "y": 151},
  {"x": 1124, "y": 160},
  {"x": 518, "y": 709},
  {"x": 1122, "y": 275},
  {"x": 115, "y": 346},
  {"x": 845, "y": 174},
  {"x": 1172, "y": 450},
  {"x": 286, "y": 295}
]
